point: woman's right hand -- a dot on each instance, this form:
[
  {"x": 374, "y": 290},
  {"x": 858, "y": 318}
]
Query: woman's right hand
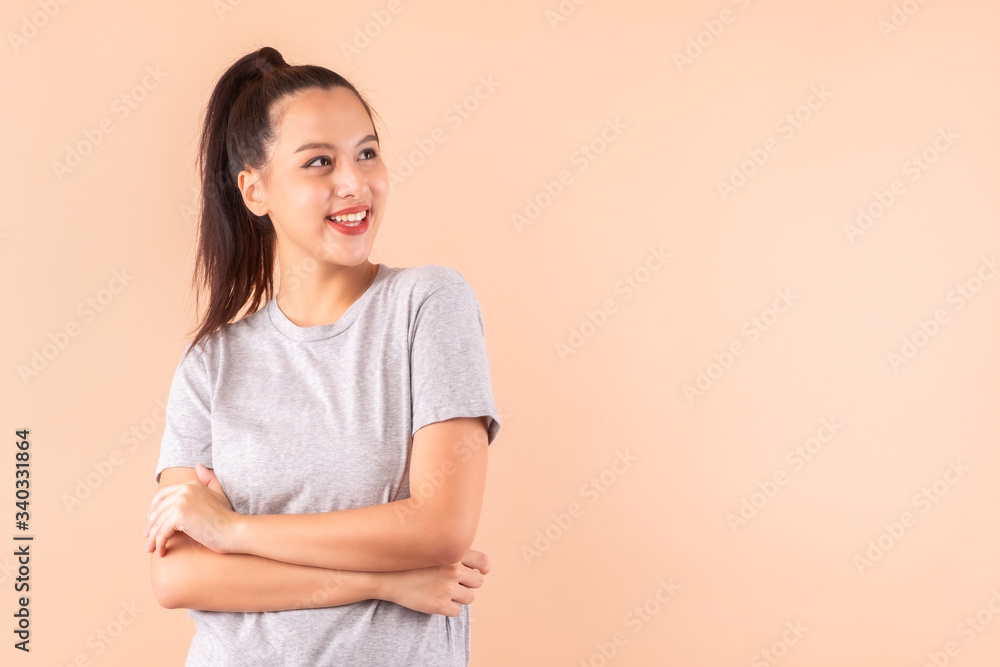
[{"x": 440, "y": 589}]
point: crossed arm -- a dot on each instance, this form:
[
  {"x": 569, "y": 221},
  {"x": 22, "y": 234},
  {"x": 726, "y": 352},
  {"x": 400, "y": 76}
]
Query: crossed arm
[{"x": 415, "y": 552}]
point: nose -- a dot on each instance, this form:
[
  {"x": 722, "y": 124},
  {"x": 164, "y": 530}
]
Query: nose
[{"x": 348, "y": 181}]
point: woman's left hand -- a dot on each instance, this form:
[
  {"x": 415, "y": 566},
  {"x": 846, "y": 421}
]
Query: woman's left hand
[{"x": 194, "y": 508}]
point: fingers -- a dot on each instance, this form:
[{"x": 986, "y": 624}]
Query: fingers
[
  {"x": 204, "y": 474},
  {"x": 477, "y": 560},
  {"x": 160, "y": 501},
  {"x": 161, "y": 539},
  {"x": 471, "y": 578},
  {"x": 464, "y": 595},
  {"x": 158, "y": 534},
  {"x": 211, "y": 480},
  {"x": 158, "y": 523},
  {"x": 208, "y": 478},
  {"x": 161, "y": 522}
]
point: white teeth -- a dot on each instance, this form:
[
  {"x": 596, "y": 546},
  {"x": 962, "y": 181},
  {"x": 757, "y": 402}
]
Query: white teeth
[{"x": 350, "y": 217}]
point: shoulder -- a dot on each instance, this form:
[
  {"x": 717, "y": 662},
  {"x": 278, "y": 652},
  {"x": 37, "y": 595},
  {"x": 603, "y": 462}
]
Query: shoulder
[
  {"x": 196, "y": 358},
  {"x": 231, "y": 334},
  {"x": 429, "y": 278},
  {"x": 212, "y": 347},
  {"x": 434, "y": 292},
  {"x": 418, "y": 283}
]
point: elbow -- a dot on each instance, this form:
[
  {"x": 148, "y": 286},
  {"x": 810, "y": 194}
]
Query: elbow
[
  {"x": 169, "y": 579},
  {"x": 167, "y": 587},
  {"x": 166, "y": 599},
  {"x": 443, "y": 532},
  {"x": 453, "y": 544},
  {"x": 454, "y": 553},
  {"x": 163, "y": 588}
]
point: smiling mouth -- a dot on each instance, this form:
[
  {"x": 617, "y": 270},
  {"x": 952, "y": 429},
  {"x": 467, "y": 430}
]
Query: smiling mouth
[{"x": 349, "y": 220}]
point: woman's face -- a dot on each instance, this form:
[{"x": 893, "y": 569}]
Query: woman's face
[{"x": 325, "y": 160}]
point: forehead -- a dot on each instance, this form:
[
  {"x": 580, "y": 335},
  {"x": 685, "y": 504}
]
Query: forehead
[{"x": 335, "y": 116}]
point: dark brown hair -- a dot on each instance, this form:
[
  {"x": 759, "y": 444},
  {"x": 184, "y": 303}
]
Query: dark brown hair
[{"x": 236, "y": 248}]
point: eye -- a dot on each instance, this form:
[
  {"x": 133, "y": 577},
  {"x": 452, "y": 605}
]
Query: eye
[
  {"x": 321, "y": 157},
  {"x": 374, "y": 153}
]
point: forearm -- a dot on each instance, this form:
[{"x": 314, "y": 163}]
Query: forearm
[
  {"x": 191, "y": 576},
  {"x": 400, "y": 535},
  {"x": 435, "y": 526}
]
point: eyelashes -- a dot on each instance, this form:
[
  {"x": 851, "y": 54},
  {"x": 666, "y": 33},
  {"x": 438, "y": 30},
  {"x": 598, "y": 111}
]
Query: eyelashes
[{"x": 372, "y": 151}]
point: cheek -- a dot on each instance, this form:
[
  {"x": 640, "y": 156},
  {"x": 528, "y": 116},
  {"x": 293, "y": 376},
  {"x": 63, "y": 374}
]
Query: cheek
[
  {"x": 378, "y": 181},
  {"x": 305, "y": 194}
]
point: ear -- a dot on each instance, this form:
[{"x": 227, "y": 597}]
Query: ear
[{"x": 249, "y": 183}]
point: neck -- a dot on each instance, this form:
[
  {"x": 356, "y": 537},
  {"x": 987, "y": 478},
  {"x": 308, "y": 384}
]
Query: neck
[{"x": 322, "y": 295}]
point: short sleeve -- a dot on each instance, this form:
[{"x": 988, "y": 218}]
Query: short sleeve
[
  {"x": 449, "y": 369},
  {"x": 187, "y": 433}
]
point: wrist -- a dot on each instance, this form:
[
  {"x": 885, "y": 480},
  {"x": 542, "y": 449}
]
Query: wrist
[
  {"x": 381, "y": 585},
  {"x": 238, "y": 541}
]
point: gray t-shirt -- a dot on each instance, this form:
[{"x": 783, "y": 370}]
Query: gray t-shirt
[{"x": 298, "y": 420}]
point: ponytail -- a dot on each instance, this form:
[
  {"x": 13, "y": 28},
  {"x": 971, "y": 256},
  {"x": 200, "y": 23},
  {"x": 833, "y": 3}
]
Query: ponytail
[{"x": 236, "y": 249}]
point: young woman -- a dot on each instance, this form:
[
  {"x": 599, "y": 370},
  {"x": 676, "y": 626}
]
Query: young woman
[{"x": 323, "y": 461}]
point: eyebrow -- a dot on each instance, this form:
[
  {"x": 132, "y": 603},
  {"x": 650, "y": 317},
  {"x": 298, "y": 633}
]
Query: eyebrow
[{"x": 320, "y": 144}]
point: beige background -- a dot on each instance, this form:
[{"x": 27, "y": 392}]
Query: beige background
[{"x": 895, "y": 78}]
